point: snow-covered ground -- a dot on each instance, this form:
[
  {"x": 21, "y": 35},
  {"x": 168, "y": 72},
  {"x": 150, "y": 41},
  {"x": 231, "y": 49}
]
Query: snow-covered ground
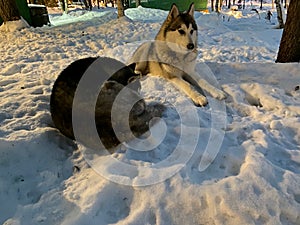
[{"x": 238, "y": 160}]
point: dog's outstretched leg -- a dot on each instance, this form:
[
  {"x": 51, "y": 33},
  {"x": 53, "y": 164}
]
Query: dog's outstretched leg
[
  {"x": 205, "y": 86},
  {"x": 213, "y": 91},
  {"x": 184, "y": 86}
]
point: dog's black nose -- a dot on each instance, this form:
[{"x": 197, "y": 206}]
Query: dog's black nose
[{"x": 190, "y": 46}]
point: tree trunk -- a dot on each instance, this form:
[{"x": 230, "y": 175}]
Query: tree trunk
[
  {"x": 279, "y": 14},
  {"x": 220, "y": 5},
  {"x": 137, "y": 3},
  {"x": 90, "y": 5},
  {"x": 64, "y": 6},
  {"x": 217, "y": 6},
  {"x": 9, "y": 10},
  {"x": 289, "y": 49},
  {"x": 120, "y": 8}
]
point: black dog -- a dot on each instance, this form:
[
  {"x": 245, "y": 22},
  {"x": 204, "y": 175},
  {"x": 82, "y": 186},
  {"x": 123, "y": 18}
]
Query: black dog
[
  {"x": 62, "y": 99},
  {"x": 269, "y": 15}
]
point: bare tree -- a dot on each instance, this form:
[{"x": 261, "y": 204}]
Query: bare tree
[
  {"x": 261, "y": 4},
  {"x": 88, "y": 4},
  {"x": 289, "y": 49},
  {"x": 217, "y": 6},
  {"x": 137, "y": 3},
  {"x": 120, "y": 8},
  {"x": 64, "y": 6},
  {"x": 9, "y": 10},
  {"x": 279, "y": 14}
]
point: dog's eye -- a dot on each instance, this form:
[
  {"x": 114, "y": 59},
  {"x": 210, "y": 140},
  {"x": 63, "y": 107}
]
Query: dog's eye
[
  {"x": 192, "y": 31},
  {"x": 181, "y": 31}
]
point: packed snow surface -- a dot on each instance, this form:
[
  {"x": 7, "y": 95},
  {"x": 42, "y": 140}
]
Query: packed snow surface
[{"x": 232, "y": 162}]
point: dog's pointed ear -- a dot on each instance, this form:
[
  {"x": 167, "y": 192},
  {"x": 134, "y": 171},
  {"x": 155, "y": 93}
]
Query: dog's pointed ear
[
  {"x": 191, "y": 10},
  {"x": 174, "y": 12}
]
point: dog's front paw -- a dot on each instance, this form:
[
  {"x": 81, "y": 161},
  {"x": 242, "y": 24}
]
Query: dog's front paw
[
  {"x": 218, "y": 94},
  {"x": 200, "y": 100}
]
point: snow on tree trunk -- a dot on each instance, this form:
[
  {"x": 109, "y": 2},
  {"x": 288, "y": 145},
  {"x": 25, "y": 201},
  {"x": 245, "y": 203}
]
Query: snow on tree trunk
[
  {"x": 289, "y": 49},
  {"x": 137, "y": 3},
  {"x": 64, "y": 5},
  {"x": 217, "y": 6},
  {"x": 89, "y": 5},
  {"x": 279, "y": 14},
  {"x": 120, "y": 8},
  {"x": 9, "y": 10}
]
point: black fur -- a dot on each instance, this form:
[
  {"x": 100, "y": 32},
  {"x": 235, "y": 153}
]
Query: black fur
[{"x": 62, "y": 96}]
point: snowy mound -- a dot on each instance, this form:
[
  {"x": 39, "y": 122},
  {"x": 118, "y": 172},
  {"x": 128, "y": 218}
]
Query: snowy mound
[
  {"x": 232, "y": 162},
  {"x": 12, "y": 26}
]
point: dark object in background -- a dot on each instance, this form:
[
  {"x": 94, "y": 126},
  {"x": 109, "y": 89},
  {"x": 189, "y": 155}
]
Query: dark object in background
[
  {"x": 269, "y": 15},
  {"x": 63, "y": 92},
  {"x": 39, "y": 15}
]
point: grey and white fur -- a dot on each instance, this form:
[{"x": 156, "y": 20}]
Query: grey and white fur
[{"x": 173, "y": 56}]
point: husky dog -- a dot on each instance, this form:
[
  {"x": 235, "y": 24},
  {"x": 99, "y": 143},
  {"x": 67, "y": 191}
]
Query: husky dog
[{"x": 173, "y": 56}]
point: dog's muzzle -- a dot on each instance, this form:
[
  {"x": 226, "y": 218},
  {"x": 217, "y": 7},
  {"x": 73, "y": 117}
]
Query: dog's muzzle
[{"x": 190, "y": 46}]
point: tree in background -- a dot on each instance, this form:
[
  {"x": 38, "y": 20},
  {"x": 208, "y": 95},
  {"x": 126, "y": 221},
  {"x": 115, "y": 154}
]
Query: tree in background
[
  {"x": 261, "y": 4},
  {"x": 51, "y": 3},
  {"x": 216, "y": 5},
  {"x": 120, "y": 8},
  {"x": 279, "y": 14},
  {"x": 137, "y": 3},
  {"x": 64, "y": 5},
  {"x": 88, "y": 4},
  {"x": 289, "y": 49},
  {"x": 9, "y": 10}
]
